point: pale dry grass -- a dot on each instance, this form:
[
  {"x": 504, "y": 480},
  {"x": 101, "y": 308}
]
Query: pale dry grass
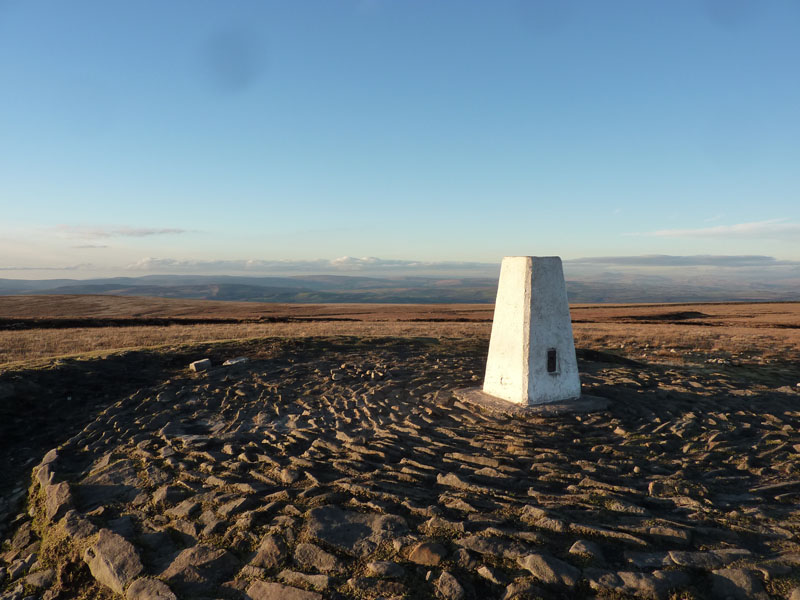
[
  {"x": 43, "y": 343},
  {"x": 746, "y": 331},
  {"x": 135, "y": 307},
  {"x": 745, "y": 314},
  {"x": 656, "y": 342},
  {"x": 687, "y": 342}
]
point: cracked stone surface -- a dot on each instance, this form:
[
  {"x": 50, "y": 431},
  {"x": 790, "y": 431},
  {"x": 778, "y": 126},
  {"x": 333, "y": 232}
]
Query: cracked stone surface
[
  {"x": 113, "y": 561},
  {"x": 338, "y": 468}
]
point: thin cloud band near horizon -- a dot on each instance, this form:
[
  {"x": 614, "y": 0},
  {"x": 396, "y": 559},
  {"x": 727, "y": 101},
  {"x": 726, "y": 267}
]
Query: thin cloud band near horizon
[
  {"x": 375, "y": 265},
  {"x": 98, "y": 232},
  {"x": 755, "y": 229}
]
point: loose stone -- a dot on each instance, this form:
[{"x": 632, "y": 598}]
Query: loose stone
[
  {"x": 738, "y": 584},
  {"x": 491, "y": 574},
  {"x": 168, "y": 494},
  {"x": 40, "y": 579},
  {"x": 587, "y": 548},
  {"x": 262, "y": 590},
  {"x": 493, "y": 546},
  {"x": 200, "y": 365},
  {"x": 522, "y": 589},
  {"x": 654, "y": 586},
  {"x": 197, "y": 570},
  {"x": 58, "y": 500},
  {"x": 382, "y": 568},
  {"x": 146, "y": 588},
  {"x": 358, "y": 533},
  {"x": 113, "y": 561},
  {"x": 427, "y": 553},
  {"x": 310, "y": 556},
  {"x": 376, "y": 587},
  {"x": 271, "y": 552},
  {"x": 318, "y": 582},
  {"x": 550, "y": 570},
  {"x": 448, "y": 587}
]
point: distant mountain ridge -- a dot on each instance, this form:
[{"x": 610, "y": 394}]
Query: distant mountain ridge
[{"x": 406, "y": 290}]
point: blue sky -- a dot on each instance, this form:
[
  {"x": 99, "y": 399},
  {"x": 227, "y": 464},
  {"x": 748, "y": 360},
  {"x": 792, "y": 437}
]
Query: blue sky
[{"x": 194, "y": 135}]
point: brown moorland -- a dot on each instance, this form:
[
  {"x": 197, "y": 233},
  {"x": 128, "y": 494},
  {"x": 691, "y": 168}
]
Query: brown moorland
[{"x": 42, "y": 327}]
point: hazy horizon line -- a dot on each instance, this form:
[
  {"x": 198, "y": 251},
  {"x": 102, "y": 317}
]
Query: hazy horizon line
[{"x": 378, "y": 267}]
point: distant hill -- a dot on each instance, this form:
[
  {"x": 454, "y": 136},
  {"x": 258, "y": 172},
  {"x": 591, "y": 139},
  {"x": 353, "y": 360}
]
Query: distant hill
[
  {"x": 308, "y": 289},
  {"x": 606, "y": 287}
]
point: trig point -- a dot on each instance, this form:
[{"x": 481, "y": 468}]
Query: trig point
[
  {"x": 531, "y": 352},
  {"x": 532, "y": 363}
]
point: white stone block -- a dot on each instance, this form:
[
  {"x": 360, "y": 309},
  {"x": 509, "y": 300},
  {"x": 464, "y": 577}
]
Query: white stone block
[
  {"x": 200, "y": 365},
  {"x": 235, "y": 361},
  {"x": 532, "y": 352}
]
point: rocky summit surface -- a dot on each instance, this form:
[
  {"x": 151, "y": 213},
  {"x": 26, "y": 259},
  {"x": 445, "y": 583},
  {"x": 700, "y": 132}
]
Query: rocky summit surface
[{"x": 348, "y": 469}]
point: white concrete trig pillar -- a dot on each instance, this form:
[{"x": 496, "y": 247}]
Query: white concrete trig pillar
[{"x": 532, "y": 352}]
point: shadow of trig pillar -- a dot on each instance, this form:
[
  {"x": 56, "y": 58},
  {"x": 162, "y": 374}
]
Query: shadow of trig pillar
[{"x": 532, "y": 353}]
